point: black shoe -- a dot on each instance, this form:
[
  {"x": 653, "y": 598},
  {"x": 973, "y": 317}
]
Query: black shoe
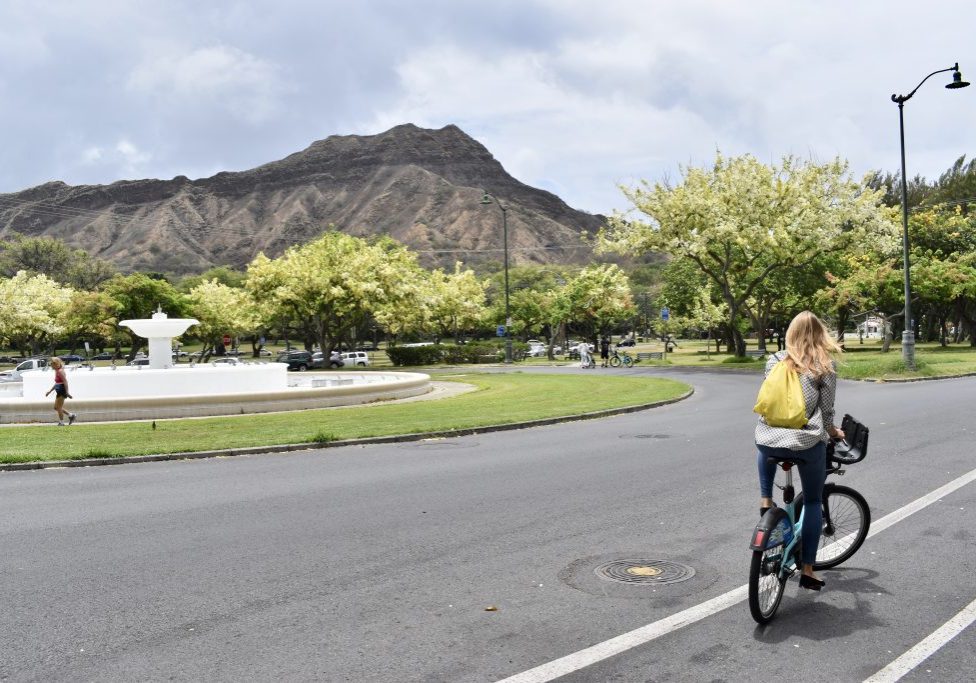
[{"x": 811, "y": 583}]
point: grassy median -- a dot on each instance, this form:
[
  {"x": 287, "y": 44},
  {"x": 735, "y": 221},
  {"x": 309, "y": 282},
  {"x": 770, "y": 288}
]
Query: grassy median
[
  {"x": 499, "y": 399},
  {"x": 861, "y": 361}
]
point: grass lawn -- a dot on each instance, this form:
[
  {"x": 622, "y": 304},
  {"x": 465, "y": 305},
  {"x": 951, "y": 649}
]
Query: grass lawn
[
  {"x": 500, "y": 399},
  {"x": 860, "y": 361}
]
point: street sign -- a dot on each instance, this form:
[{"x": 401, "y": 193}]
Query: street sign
[
  {"x": 665, "y": 313},
  {"x": 501, "y": 331}
]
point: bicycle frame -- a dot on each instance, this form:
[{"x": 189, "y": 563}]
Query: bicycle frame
[{"x": 765, "y": 534}]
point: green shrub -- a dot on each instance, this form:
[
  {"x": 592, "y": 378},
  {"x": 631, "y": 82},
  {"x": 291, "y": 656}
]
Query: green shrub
[
  {"x": 482, "y": 352},
  {"x": 402, "y": 356}
]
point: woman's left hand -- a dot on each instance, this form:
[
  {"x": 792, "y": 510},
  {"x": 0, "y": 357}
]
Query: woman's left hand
[{"x": 836, "y": 433}]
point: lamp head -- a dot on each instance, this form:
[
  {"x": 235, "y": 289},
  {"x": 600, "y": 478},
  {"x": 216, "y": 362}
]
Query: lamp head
[
  {"x": 486, "y": 198},
  {"x": 957, "y": 81}
]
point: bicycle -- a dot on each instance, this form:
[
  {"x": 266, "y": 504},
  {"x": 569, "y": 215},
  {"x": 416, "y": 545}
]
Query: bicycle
[
  {"x": 621, "y": 358},
  {"x": 776, "y": 540}
]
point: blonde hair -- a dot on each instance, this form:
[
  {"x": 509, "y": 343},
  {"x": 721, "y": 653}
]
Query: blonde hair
[
  {"x": 57, "y": 363},
  {"x": 808, "y": 345}
]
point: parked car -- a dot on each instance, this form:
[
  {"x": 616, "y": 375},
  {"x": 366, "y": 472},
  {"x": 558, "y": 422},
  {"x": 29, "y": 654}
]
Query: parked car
[
  {"x": 335, "y": 359},
  {"x": 138, "y": 361},
  {"x": 228, "y": 360},
  {"x": 104, "y": 355},
  {"x": 360, "y": 358},
  {"x": 16, "y": 375},
  {"x": 264, "y": 352},
  {"x": 626, "y": 342},
  {"x": 72, "y": 358},
  {"x": 300, "y": 361}
]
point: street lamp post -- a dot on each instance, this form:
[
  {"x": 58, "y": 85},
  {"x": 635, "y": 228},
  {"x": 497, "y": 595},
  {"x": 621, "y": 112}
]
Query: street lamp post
[
  {"x": 488, "y": 199},
  {"x": 908, "y": 336}
]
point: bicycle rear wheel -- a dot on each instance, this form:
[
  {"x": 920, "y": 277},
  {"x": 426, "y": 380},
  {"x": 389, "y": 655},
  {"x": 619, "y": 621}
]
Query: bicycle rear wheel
[
  {"x": 614, "y": 362},
  {"x": 766, "y": 583},
  {"x": 846, "y": 521}
]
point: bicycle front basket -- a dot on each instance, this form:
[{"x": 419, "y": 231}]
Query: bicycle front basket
[{"x": 854, "y": 447}]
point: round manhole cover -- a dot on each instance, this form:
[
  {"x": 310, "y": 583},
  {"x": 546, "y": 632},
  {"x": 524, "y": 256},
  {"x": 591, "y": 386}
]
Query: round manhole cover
[{"x": 650, "y": 572}]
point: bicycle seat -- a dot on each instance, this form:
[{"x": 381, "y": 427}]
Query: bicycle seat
[
  {"x": 785, "y": 463},
  {"x": 854, "y": 447}
]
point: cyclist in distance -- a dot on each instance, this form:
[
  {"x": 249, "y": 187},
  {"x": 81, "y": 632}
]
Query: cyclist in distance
[{"x": 808, "y": 352}]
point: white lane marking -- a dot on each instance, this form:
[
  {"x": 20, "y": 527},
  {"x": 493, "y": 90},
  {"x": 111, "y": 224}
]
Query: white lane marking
[
  {"x": 927, "y": 647},
  {"x": 608, "y": 648}
]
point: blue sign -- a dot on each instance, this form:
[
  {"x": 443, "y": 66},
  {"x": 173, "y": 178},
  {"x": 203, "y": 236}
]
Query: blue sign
[
  {"x": 665, "y": 313},
  {"x": 501, "y": 331}
]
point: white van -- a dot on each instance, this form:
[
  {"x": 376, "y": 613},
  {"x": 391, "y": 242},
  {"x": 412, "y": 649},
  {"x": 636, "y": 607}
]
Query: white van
[{"x": 359, "y": 358}]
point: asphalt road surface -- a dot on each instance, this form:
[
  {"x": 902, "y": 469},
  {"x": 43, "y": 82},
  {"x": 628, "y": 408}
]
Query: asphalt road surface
[{"x": 476, "y": 558}]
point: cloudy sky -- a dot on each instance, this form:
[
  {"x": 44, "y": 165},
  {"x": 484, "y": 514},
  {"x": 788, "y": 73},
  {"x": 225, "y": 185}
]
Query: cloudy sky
[{"x": 574, "y": 96}]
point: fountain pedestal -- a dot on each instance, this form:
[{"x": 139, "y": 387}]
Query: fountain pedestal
[{"x": 160, "y": 330}]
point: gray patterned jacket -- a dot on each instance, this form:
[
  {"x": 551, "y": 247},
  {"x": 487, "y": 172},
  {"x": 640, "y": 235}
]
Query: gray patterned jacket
[{"x": 817, "y": 395}]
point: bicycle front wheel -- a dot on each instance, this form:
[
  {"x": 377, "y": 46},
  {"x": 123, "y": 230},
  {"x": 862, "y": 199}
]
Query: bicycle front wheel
[
  {"x": 628, "y": 362},
  {"x": 766, "y": 583},
  {"x": 847, "y": 519}
]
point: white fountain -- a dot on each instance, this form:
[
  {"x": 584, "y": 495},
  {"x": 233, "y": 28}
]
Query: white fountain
[
  {"x": 160, "y": 330},
  {"x": 164, "y": 390}
]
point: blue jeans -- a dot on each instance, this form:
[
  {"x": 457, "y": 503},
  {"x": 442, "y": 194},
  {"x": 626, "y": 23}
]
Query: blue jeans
[{"x": 812, "y": 464}]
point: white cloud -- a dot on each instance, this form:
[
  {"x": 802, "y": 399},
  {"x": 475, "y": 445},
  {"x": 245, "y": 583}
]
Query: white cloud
[
  {"x": 631, "y": 90},
  {"x": 123, "y": 157},
  {"x": 219, "y": 75}
]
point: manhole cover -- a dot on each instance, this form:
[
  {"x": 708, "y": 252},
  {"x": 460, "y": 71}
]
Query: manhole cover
[
  {"x": 653, "y": 572},
  {"x": 647, "y": 436}
]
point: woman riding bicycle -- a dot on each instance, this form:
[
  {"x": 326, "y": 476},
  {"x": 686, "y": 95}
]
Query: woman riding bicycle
[{"x": 808, "y": 349}]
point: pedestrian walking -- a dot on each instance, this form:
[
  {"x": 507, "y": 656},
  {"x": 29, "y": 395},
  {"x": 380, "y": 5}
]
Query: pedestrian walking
[
  {"x": 61, "y": 392},
  {"x": 586, "y": 360}
]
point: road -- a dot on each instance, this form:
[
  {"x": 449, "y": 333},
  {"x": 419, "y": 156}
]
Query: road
[{"x": 472, "y": 559}]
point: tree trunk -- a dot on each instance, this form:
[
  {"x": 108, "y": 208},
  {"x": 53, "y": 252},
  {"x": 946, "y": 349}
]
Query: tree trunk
[
  {"x": 740, "y": 343},
  {"x": 843, "y": 315}
]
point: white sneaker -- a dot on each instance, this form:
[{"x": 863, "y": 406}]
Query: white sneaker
[{"x": 60, "y": 424}]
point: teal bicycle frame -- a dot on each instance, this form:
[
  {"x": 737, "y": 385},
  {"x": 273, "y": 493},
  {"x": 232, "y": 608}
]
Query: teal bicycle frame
[{"x": 781, "y": 526}]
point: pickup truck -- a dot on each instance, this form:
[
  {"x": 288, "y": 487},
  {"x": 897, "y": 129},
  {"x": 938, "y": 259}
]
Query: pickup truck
[{"x": 15, "y": 375}]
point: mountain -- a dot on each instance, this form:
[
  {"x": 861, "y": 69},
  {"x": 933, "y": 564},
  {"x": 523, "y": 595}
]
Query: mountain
[{"x": 422, "y": 187}]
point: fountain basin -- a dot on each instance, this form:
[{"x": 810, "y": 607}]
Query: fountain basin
[
  {"x": 301, "y": 391},
  {"x": 134, "y": 381}
]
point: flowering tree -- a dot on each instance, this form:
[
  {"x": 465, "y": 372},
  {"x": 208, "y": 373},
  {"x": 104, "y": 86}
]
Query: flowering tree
[
  {"x": 32, "y": 310},
  {"x": 221, "y": 310},
  {"x": 457, "y": 300},
  {"x": 329, "y": 286},
  {"x": 740, "y": 221}
]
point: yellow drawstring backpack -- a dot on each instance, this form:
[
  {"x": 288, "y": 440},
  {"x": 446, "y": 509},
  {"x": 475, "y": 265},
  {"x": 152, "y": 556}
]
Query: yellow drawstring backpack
[{"x": 780, "y": 399}]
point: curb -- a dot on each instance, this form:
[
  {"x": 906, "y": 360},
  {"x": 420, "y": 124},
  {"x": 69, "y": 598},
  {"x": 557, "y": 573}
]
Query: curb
[
  {"x": 905, "y": 380},
  {"x": 285, "y": 448}
]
